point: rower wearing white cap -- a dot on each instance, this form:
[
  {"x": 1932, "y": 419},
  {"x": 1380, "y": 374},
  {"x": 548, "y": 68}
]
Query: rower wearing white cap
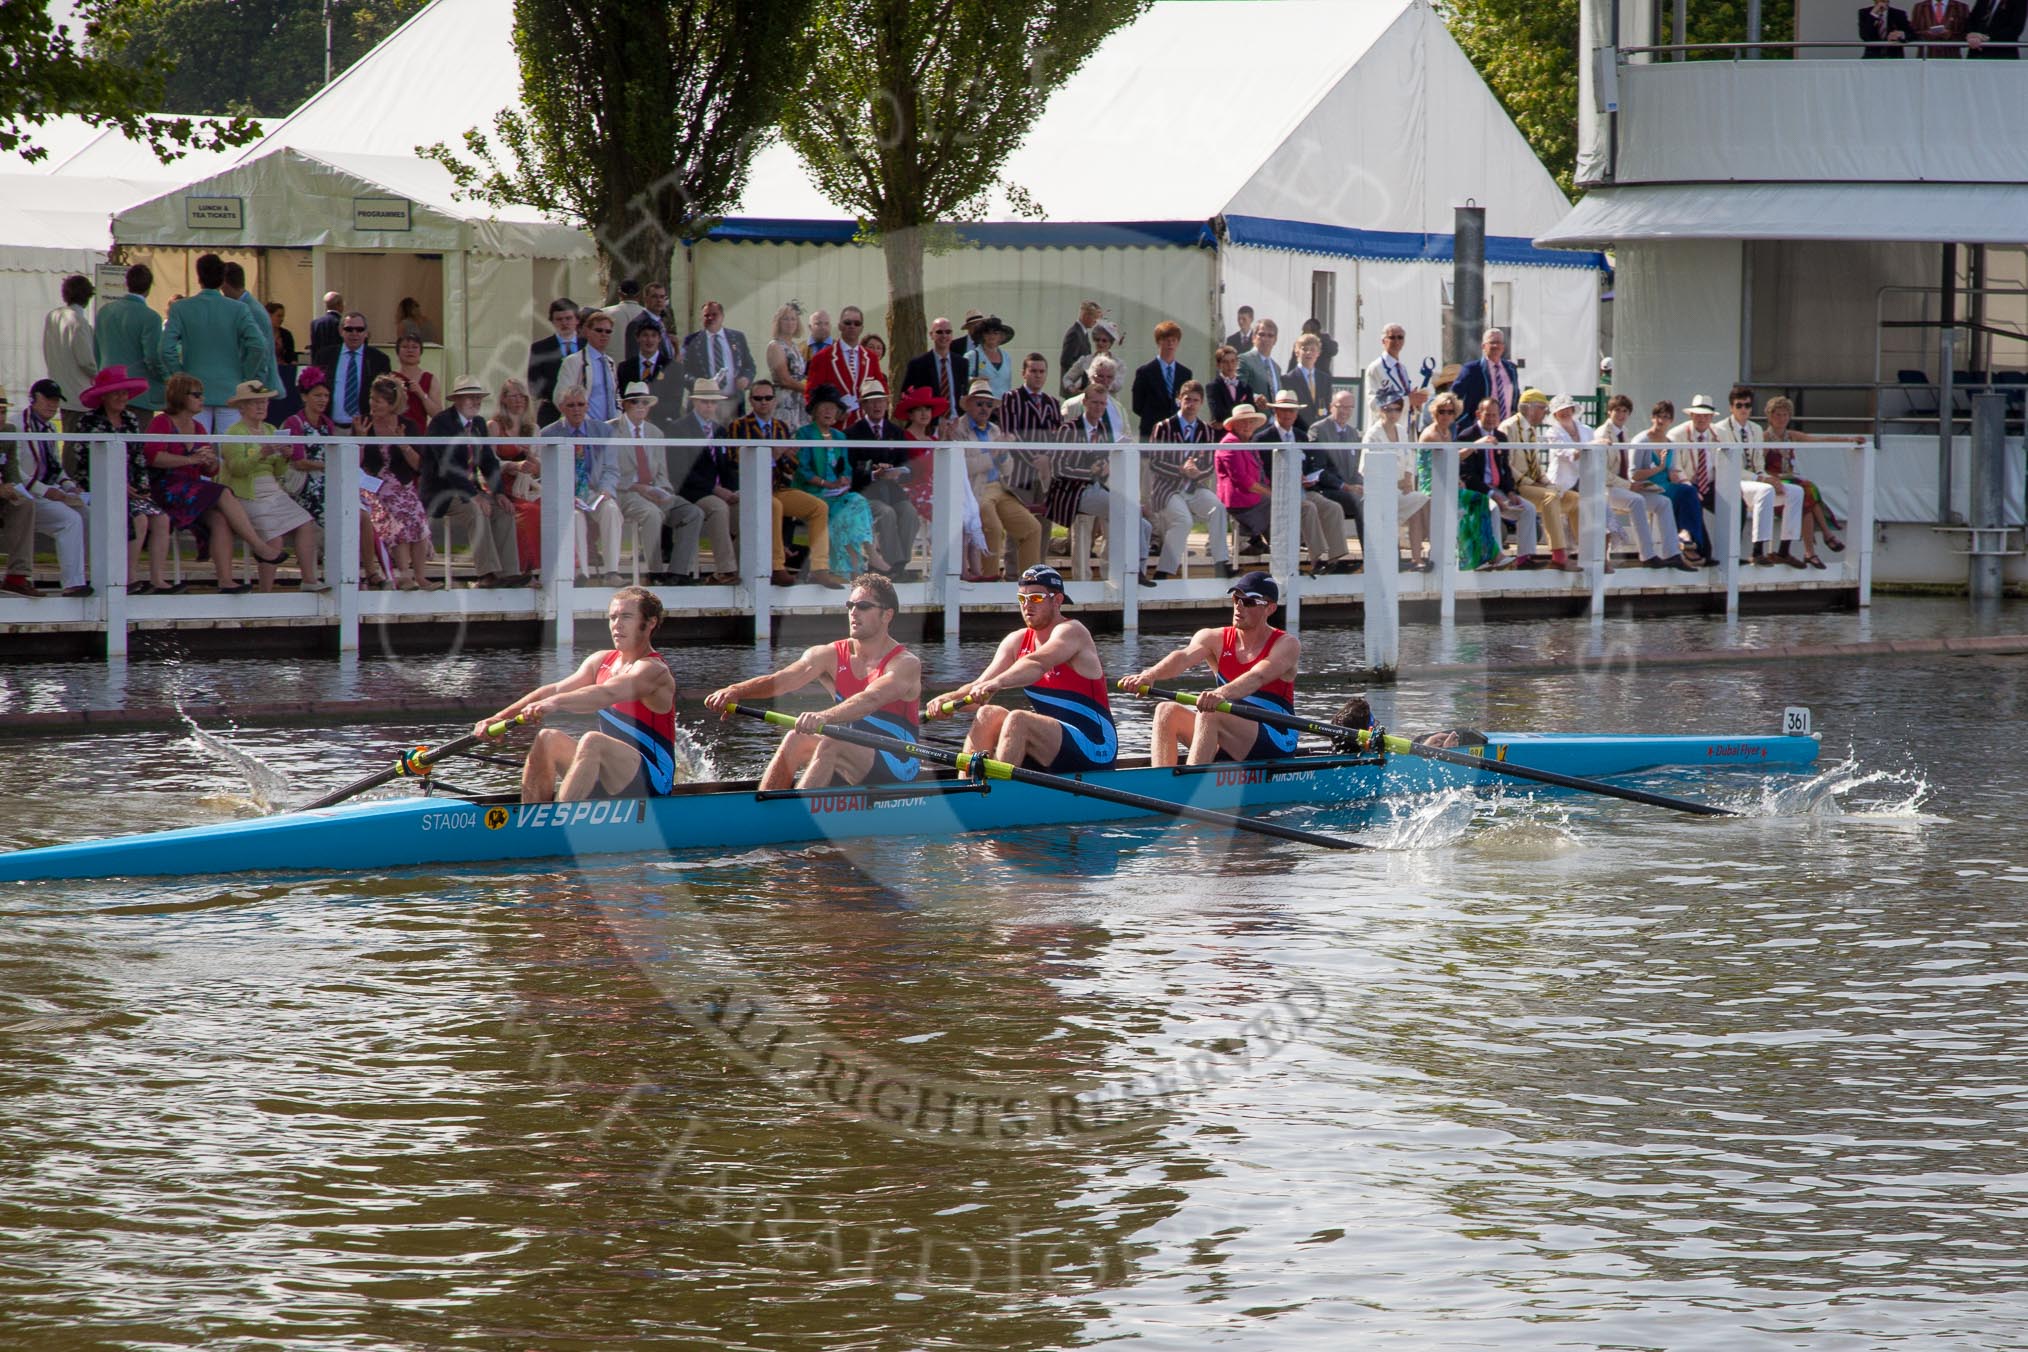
[{"x": 1255, "y": 664}]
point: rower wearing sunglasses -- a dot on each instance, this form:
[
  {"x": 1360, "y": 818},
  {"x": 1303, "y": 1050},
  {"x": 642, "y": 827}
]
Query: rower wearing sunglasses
[
  {"x": 1068, "y": 724},
  {"x": 1255, "y": 664},
  {"x": 874, "y": 683}
]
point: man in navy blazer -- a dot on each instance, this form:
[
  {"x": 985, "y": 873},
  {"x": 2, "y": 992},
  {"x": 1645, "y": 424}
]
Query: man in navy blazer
[
  {"x": 1886, "y": 28},
  {"x": 1491, "y": 376},
  {"x": 1156, "y": 382},
  {"x": 715, "y": 352},
  {"x": 1994, "y": 29}
]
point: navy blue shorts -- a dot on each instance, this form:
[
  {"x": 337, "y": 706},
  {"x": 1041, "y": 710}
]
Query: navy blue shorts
[
  {"x": 1268, "y": 743},
  {"x": 1090, "y": 741},
  {"x": 888, "y": 768}
]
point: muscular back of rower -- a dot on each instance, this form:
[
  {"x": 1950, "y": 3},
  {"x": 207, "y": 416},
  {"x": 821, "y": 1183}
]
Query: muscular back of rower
[
  {"x": 1068, "y": 725},
  {"x": 632, "y": 754},
  {"x": 874, "y": 682},
  {"x": 1255, "y": 664}
]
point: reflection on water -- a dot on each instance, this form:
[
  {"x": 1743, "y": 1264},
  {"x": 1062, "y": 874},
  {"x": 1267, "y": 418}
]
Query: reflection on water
[{"x": 1575, "y": 1072}]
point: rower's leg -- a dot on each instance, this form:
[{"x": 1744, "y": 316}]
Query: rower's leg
[
  {"x": 603, "y": 764},
  {"x": 1026, "y": 736},
  {"x": 792, "y": 755},
  {"x": 1174, "y": 728},
  {"x": 985, "y": 733},
  {"x": 547, "y": 756},
  {"x": 836, "y": 762},
  {"x": 1226, "y": 733}
]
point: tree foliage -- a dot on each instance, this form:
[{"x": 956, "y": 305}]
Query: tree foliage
[
  {"x": 1527, "y": 52},
  {"x": 258, "y": 57},
  {"x": 45, "y": 73},
  {"x": 640, "y": 119},
  {"x": 911, "y": 107}
]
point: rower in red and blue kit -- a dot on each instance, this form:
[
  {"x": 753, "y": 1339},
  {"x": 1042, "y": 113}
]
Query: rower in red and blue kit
[
  {"x": 1255, "y": 664},
  {"x": 1068, "y": 724}
]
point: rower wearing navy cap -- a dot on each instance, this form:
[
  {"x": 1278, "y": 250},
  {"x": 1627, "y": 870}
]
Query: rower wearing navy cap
[
  {"x": 1068, "y": 724},
  {"x": 1255, "y": 664}
]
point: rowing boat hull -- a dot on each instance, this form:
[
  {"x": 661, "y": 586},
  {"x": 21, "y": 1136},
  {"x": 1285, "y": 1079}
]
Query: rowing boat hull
[{"x": 414, "y": 832}]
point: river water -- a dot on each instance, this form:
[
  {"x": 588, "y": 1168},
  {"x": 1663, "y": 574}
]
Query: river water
[{"x": 1542, "y": 1072}]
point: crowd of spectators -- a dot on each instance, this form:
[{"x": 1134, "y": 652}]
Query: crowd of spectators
[
  {"x": 820, "y": 395},
  {"x": 1944, "y": 30}
]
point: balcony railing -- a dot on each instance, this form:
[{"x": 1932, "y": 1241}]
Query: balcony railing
[{"x": 557, "y": 602}]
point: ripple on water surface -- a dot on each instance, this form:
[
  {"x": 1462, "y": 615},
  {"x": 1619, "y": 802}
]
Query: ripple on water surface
[{"x": 1543, "y": 1072}]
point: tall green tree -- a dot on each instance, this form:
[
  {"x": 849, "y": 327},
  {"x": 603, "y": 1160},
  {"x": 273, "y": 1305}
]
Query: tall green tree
[
  {"x": 640, "y": 117},
  {"x": 1526, "y": 51},
  {"x": 258, "y": 57},
  {"x": 46, "y": 73},
  {"x": 911, "y": 107}
]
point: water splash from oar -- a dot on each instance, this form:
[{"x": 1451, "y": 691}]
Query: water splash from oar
[
  {"x": 1428, "y": 823},
  {"x": 265, "y": 785},
  {"x": 1846, "y": 790}
]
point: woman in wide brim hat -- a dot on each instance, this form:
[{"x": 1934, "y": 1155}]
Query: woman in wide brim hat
[
  {"x": 110, "y": 413},
  {"x": 110, "y": 380},
  {"x": 922, "y": 396},
  {"x": 986, "y": 360},
  {"x": 255, "y": 471},
  {"x": 1242, "y": 479}
]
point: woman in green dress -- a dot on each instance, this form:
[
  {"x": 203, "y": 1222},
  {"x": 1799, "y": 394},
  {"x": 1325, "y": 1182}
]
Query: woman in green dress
[
  {"x": 824, "y": 470},
  {"x": 1478, "y": 542}
]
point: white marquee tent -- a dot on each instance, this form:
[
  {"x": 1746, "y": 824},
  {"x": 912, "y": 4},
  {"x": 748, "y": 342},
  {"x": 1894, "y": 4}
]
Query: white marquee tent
[
  {"x": 49, "y": 228},
  {"x": 1334, "y": 191},
  {"x": 56, "y": 219},
  {"x": 375, "y": 226},
  {"x": 1334, "y": 197}
]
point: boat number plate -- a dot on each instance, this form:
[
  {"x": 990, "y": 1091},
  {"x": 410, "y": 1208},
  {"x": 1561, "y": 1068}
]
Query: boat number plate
[{"x": 1796, "y": 721}]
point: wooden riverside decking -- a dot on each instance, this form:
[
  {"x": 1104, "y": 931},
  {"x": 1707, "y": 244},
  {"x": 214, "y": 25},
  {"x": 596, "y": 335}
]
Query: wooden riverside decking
[{"x": 347, "y": 618}]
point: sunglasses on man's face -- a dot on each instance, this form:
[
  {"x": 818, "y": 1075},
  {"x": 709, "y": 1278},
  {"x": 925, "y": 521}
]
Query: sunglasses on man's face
[
  {"x": 863, "y": 605},
  {"x": 353, "y": 328}
]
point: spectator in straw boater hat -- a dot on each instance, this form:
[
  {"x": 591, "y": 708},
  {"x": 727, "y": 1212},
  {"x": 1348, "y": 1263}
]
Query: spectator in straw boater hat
[
  {"x": 881, "y": 473},
  {"x": 462, "y": 484}
]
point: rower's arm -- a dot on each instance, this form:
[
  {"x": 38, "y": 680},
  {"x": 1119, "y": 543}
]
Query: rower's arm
[
  {"x": 649, "y": 682},
  {"x": 1070, "y": 641},
  {"x": 794, "y": 676},
  {"x": 586, "y": 674},
  {"x": 1202, "y": 647},
  {"x": 901, "y": 682},
  {"x": 1278, "y": 665},
  {"x": 1002, "y": 657}
]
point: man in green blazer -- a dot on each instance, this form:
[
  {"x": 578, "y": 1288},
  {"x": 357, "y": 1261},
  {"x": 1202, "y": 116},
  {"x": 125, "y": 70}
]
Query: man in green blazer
[
  {"x": 130, "y": 335},
  {"x": 216, "y": 340}
]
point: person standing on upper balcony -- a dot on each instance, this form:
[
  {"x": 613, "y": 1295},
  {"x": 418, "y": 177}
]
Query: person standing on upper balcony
[
  {"x": 1886, "y": 28},
  {"x": 1994, "y": 29},
  {"x": 1940, "y": 21}
]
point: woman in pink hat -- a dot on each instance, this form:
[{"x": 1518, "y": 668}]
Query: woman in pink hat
[{"x": 105, "y": 400}]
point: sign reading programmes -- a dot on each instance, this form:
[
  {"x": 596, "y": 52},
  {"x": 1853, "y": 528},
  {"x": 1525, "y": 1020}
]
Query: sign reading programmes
[{"x": 380, "y": 213}]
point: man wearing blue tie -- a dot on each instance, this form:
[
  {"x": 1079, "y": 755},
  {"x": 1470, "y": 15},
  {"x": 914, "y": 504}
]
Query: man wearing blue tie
[
  {"x": 1156, "y": 382},
  {"x": 353, "y": 367},
  {"x": 592, "y": 367}
]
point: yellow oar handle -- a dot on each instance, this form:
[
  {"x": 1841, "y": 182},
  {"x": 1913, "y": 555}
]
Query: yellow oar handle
[
  {"x": 951, "y": 706},
  {"x": 1398, "y": 745},
  {"x": 501, "y": 728}
]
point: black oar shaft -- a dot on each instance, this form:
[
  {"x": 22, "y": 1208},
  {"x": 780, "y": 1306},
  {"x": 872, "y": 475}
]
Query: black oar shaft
[
  {"x": 1339, "y": 732},
  {"x": 964, "y": 761},
  {"x": 414, "y": 762}
]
